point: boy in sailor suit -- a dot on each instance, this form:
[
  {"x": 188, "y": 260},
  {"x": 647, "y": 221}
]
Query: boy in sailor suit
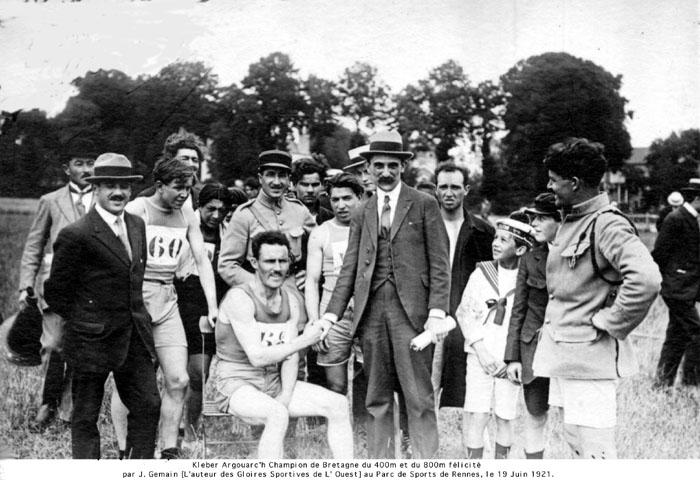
[{"x": 484, "y": 316}]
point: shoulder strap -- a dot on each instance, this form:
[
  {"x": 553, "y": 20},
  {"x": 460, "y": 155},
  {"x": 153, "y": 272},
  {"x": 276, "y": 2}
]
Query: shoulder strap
[
  {"x": 596, "y": 268},
  {"x": 260, "y": 217}
]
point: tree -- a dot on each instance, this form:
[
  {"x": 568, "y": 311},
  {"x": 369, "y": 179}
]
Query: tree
[
  {"x": 135, "y": 116},
  {"x": 322, "y": 101},
  {"x": 437, "y": 111},
  {"x": 551, "y": 97},
  {"x": 672, "y": 162},
  {"x": 234, "y": 133},
  {"x": 274, "y": 84},
  {"x": 29, "y": 161},
  {"x": 364, "y": 97}
]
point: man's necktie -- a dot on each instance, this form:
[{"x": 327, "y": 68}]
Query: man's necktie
[
  {"x": 79, "y": 202},
  {"x": 385, "y": 219},
  {"x": 122, "y": 235}
]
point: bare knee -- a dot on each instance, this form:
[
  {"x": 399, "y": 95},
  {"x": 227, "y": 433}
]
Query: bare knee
[
  {"x": 177, "y": 381},
  {"x": 336, "y": 407}
]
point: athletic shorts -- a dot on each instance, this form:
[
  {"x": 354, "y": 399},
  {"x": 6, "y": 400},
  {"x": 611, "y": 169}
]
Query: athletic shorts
[
  {"x": 483, "y": 391},
  {"x": 229, "y": 377},
  {"x": 536, "y": 395},
  {"x": 589, "y": 403},
  {"x": 192, "y": 305},
  {"x": 161, "y": 302},
  {"x": 339, "y": 342}
]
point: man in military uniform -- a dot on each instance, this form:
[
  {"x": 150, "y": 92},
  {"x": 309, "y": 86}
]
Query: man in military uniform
[{"x": 270, "y": 210}]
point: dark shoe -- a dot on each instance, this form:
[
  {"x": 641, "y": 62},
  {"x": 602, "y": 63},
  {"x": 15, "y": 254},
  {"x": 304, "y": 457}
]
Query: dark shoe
[
  {"x": 172, "y": 453},
  {"x": 44, "y": 417}
]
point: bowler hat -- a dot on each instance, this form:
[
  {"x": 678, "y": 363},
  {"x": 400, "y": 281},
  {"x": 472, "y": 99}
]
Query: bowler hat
[
  {"x": 386, "y": 143},
  {"x": 113, "y": 166},
  {"x": 544, "y": 205},
  {"x": 274, "y": 159},
  {"x": 355, "y": 156}
]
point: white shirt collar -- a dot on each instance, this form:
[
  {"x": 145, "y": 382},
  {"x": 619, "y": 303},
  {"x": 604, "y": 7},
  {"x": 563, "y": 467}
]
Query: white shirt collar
[
  {"x": 393, "y": 196},
  {"x": 109, "y": 218},
  {"x": 690, "y": 208},
  {"x": 75, "y": 187}
]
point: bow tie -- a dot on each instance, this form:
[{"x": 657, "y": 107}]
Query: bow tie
[{"x": 500, "y": 306}]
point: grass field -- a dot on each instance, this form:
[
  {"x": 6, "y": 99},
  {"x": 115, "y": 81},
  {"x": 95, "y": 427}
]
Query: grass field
[{"x": 652, "y": 424}]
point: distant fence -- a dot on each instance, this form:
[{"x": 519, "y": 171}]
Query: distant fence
[
  {"x": 645, "y": 222},
  {"x": 18, "y": 205}
]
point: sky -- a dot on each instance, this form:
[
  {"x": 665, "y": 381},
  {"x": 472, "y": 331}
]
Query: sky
[{"x": 654, "y": 45}]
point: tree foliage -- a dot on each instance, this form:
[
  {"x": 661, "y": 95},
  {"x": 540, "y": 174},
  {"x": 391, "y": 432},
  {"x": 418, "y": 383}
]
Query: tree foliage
[
  {"x": 554, "y": 96},
  {"x": 364, "y": 97},
  {"x": 672, "y": 162},
  {"x": 437, "y": 111},
  {"x": 28, "y": 151},
  {"x": 134, "y": 116}
]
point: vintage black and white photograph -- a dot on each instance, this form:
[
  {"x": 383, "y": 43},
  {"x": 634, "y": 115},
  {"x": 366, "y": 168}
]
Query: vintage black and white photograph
[{"x": 266, "y": 230}]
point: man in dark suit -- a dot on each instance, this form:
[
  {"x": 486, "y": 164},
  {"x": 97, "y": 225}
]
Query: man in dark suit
[
  {"x": 397, "y": 267},
  {"x": 95, "y": 284},
  {"x": 470, "y": 242},
  {"x": 677, "y": 252}
]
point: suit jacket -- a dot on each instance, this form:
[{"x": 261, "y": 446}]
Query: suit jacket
[
  {"x": 95, "y": 287},
  {"x": 420, "y": 258},
  {"x": 473, "y": 245},
  {"x": 529, "y": 305},
  {"x": 677, "y": 252},
  {"x": 55, "y": 211}
]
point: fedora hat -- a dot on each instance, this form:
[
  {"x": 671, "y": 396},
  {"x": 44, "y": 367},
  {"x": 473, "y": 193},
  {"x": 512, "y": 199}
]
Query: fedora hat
[
  {"x": 387, "y": 142},
  {"x": 692, "y": 189},
  {"x": 274, "y": 159},
  {"x": 113, "y": 166}
]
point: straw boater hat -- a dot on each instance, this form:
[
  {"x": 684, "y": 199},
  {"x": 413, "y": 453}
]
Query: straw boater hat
[
  {"x": 274, "y": 159},
  {"x": 675, "y": 199},
  {"x": 692, "y": 189},
  {"x": 355, "y": 156},
  {"x": 386, "y": 143},
  {"x": 113, "y": 166},
  {"x": 521, "y": 230}
]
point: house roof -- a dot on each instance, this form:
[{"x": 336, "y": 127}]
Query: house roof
[{"x": 638, "y": 156}]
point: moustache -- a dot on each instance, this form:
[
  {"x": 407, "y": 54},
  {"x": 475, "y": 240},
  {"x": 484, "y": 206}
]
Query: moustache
[
  {"x": 117, "y": 198},
  {"x": 385, "y": 179}
]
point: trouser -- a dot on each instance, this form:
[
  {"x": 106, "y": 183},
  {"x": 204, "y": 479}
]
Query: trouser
[
  {"x": 682, "y": 338},
  {"x": 56, "y": 391},
  {"x": 391, "y": 365},
  {"x": 135, "y": 381}
]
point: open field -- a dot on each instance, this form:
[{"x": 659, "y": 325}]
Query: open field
[{"x": 652, "y": 424}]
